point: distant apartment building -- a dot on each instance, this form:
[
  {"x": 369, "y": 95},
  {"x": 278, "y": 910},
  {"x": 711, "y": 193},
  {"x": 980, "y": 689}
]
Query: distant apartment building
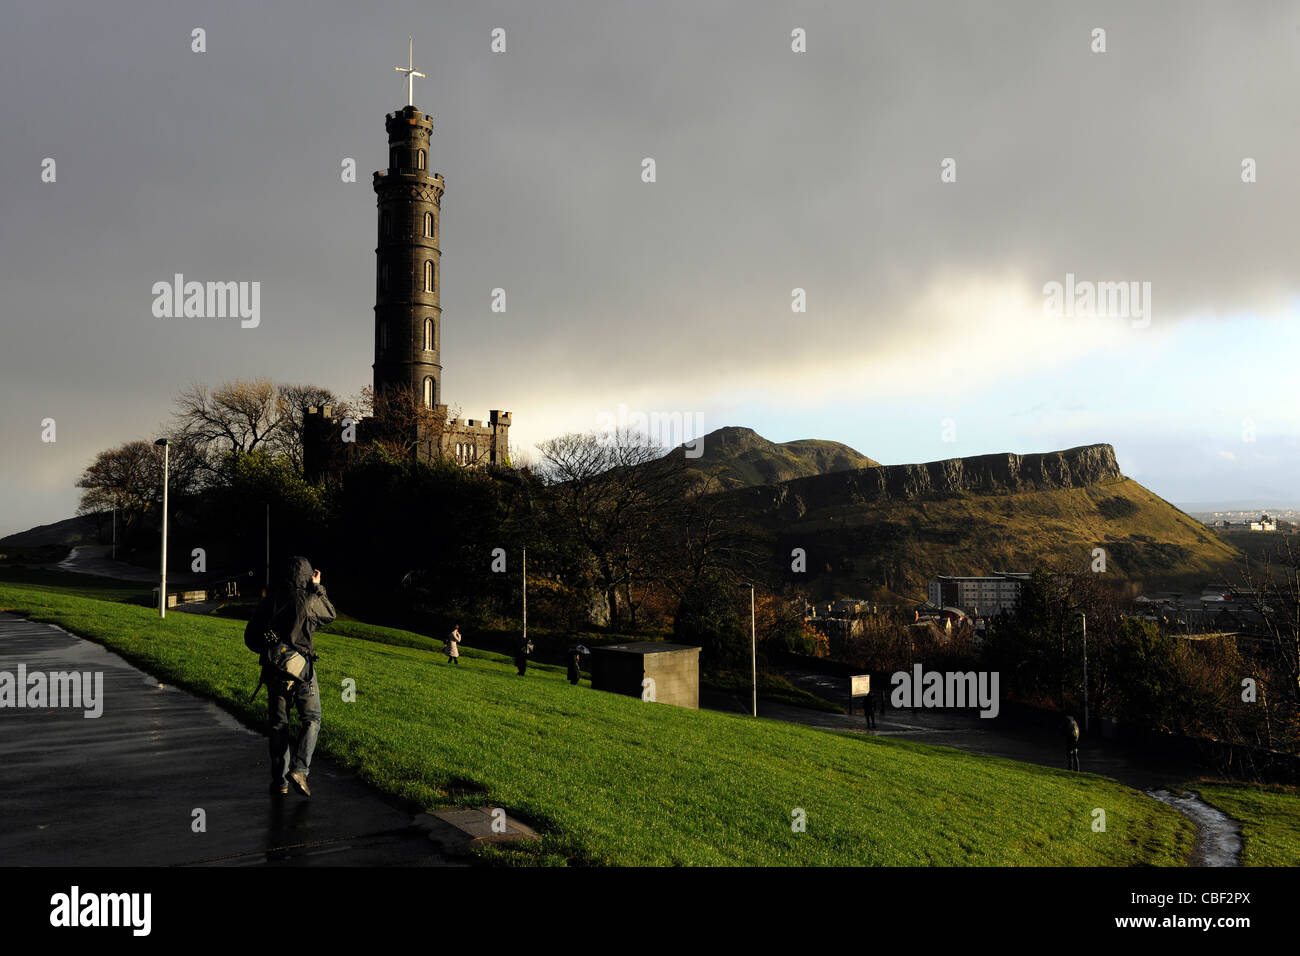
[
  {"x": 984, "y": 596},
  {"x": 1265, "y": 523}
]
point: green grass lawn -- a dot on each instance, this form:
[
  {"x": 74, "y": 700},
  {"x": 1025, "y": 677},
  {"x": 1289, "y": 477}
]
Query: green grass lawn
[
  {"x": 612, "y": 780},
  {"x": 79, "y": 585},
  {"x": 1269, "y": 817}
]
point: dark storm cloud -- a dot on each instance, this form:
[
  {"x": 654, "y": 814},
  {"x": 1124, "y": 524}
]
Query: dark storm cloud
[{"x": 775, "y": 170}]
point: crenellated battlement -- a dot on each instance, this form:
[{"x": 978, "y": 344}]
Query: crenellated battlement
[{"x": 404, "y": 120}]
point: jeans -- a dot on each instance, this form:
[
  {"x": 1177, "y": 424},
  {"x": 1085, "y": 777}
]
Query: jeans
[{"x": 305, "y": 697}]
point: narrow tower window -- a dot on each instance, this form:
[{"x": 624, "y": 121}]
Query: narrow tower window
[
  {"x": 428, "y": 224},
  {"x": 428, "y": 335},
  {"x": 428, "y": 392},
  {"x": 419, "y": 159},
  {"x": 428, "y": 275}
]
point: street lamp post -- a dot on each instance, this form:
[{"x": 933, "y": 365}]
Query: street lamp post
[
  {"x": 1084, "y": 618},
  {"x": 162, "y": 586},
  {"x": 753, "y": 650}
]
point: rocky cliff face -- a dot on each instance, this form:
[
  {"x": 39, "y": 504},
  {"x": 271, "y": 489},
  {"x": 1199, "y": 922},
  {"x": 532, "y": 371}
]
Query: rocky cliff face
[{"x": 1072, "y": 468}]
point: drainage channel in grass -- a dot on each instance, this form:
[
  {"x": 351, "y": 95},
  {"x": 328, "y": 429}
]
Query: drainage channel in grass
[{"x": 1218, "y": 836}]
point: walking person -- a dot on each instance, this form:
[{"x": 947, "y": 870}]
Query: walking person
[
  {"x": 869, "y": 710},
  {"x": 575, "y": 667},
  {"x": 1071, "y": 733},
  {"x": 296, "y": 606},
  {"x": 452, "y": 649}
]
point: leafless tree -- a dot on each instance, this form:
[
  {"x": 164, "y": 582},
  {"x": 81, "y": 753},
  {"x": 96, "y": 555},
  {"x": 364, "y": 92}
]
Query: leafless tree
[
  {"x": 237, "y": 416},
  {"x": 1274, "y": 589},
  {"x": 298, "y": 399},
  {"x": 129, "y": 479},
  {"x": 706, "y": 535},
  {"x": 612, "y": 495},
  {"x": 401, "y": 423}
]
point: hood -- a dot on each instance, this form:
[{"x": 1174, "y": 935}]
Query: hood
[{"x": 297, "y": 572}]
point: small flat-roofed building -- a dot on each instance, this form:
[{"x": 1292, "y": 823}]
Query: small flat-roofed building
[{"x": 673, "y": 669}]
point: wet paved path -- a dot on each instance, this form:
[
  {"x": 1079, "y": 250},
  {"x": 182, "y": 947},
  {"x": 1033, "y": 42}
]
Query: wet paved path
[
  {"x": 120, "y": 790},
  {"x": 95, "y": 559}
]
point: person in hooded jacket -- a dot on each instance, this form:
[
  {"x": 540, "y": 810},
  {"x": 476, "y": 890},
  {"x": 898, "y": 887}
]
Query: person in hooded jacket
[
  {"x": 296, "y": 606},
  {"x": 1070, "y": 732}
]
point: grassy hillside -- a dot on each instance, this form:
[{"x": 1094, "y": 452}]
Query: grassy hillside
[
  {"x": 742, "y": 458},
  {"x": 613, "y": 780},
  {"x": 82, "y": 529},
  {"x": 899, "y": 545}
]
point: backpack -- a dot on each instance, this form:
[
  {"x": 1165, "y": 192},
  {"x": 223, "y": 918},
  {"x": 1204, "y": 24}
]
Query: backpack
[
  {"x": 1071, "y": 731},
  {"x": 275, "y": 653},
  {"x": 258, "y": 638},
  {"x": 258, "y": 633}
]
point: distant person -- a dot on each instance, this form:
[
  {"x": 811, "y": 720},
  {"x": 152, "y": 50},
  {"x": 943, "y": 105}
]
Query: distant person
[
  {"x": 521, "y": 656},
  {"x": 296, "y": 606},
  {"x": 1071, "y": 733},
  {"x": 869, "y": 710},
  {"x": 452, "y": 649},
  {"x": 575, "y": 667}
]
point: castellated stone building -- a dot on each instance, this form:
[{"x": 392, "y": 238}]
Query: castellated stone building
[{"x": 408, "y": 313}]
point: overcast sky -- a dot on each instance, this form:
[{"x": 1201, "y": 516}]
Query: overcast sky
[{"x": 925, "y": 335}]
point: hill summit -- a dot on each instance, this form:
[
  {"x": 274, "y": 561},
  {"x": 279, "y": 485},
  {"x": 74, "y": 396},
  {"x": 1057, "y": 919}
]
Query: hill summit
[{"x": 742, "y": 458}]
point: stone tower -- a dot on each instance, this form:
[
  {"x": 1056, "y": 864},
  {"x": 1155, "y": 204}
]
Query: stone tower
[
  {"x": 408, "y": 317},
  {"x": 408, "y": 284},
  {"x": 408, "y": 314}
]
